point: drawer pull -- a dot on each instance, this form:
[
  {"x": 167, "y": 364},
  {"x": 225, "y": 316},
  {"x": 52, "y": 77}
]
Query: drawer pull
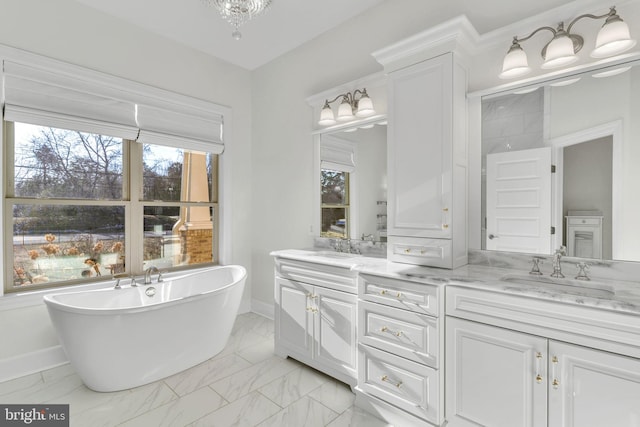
[
  {"x": 538, "y": 362},
  {"x": 406, "y": 251},
  {"x": 383, "y": 292},
  {"x": 399, "y": 295},
  {"x": 555, "y": 383},
  {"x": 385, "y": 329},
  {"x": 386, "y": 379}
]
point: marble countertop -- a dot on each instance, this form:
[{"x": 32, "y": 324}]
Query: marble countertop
[{"x": 606, "y": 294}]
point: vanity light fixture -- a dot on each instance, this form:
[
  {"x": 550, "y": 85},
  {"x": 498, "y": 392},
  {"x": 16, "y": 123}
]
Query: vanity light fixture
[
  {"x": 613, "y": 72},
  {"x": 237, "y": 12},
  {"x": 357, "y": 102},
  {"x": 612, "y": 39},
  {"x": 566, "y": 82}
]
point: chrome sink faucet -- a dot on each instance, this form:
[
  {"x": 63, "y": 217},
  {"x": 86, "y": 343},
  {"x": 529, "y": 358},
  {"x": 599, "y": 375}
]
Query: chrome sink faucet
[
  {"x": 148, "y": 272},
  {"x": 557, "y": 266}
]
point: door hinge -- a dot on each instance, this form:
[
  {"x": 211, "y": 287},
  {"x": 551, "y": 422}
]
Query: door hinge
[
  {"x": 553, "y": 168},
  {"x": 553, "y": 230}
]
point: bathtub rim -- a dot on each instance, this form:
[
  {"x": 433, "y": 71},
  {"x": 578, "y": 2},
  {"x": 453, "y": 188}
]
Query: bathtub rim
[{"x": 51, "y": 302}]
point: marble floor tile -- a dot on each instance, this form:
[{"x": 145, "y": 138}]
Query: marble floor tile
[
  {"x": 244, "y": 385},
  {"x": 258, "y": 352},
  {"x": 206, "y": 373},
  {"x": 241, "y": 383},
  {"x": 335, "y": 395},
  {"x": 180, "y": 412},
  {"x": 303, "y": 412},
  {"x": 258, "y": 324},
  {"x": 45, "y": 392},
  {"x": 30, "y": 382},
  {"x": 110, "y": 409},
  {"x": 247, "y": 411},
  {"x": 356, "y": 417},
  {"x": 292, "y": 386},
  {"x": 58, "y": 372}
]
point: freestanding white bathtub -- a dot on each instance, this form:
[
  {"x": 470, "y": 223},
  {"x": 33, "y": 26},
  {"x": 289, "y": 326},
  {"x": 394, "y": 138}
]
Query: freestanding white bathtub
[{"x": 117, "y": 339}]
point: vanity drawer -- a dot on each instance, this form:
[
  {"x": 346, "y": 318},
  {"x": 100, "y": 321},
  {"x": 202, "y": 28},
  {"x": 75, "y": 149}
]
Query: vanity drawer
[
  {"x": 328, "y": 276},
  {"x": 418, "y": 297},
  {"x": 401, "y": 332},
  {"x": 408, "y": 385},
  {"x": 420, "y": 251},
  {"x": 584, "y": 221}
]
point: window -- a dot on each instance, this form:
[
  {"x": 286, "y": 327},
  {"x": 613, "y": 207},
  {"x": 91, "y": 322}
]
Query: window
[
  {"x": 335, "y": 203},
  {"x": 85, "y": 205}
]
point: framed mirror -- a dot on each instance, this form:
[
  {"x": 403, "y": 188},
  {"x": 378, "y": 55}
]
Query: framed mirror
[
  {"x": 560, "y": 166},
  {"x": 351, "y": 179}
]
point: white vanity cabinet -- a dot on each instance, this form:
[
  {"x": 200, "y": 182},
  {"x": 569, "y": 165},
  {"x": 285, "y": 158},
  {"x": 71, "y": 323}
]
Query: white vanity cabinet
[
  {"x": 315, "y": 316},
  {"x": 427, "y": 170},
  {"x": 517, "y": 374},
  {"x": 400, "y": 350}
]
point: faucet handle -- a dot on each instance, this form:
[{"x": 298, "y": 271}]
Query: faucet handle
[
  {"x": 160, "y": 273},
  {"x": 583, "y": 268},
  {"x": 535, "y": 269}
]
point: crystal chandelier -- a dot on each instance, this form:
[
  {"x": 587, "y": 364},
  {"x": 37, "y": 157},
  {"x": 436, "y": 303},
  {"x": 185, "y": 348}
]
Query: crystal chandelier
[{"x": 237, "y": 12}]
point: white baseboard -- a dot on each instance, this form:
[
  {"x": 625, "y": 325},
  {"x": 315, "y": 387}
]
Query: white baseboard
[
  {"x": 30, "y": 363},
  {"x": 262, "y": 308}
]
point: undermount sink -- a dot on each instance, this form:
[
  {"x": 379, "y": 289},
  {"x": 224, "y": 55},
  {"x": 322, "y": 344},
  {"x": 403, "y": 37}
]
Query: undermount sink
[
  {"x": 568, "y": 286},
  {"x": 337, "y": 255}
]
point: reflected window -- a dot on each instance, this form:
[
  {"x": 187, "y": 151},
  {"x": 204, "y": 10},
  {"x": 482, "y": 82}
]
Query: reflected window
[{"x": 335, "y": 203}]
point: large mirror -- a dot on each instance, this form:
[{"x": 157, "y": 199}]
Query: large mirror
[
  {"x": 353, "y": 182},
  {"x": 561, "y": 166}
]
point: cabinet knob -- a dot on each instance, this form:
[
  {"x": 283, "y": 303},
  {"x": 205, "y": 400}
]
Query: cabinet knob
[
  {"x": 445, "y": 226},
  {"x": 406, "y": 251},
  {"x": 383, "y": 292},
  {"x": 445, "y": 209}
]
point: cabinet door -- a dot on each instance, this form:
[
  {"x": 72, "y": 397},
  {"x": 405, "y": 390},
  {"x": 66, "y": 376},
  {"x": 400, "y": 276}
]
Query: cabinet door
[
  {"x": 592, "y": 388},
  {"x": 494, "y": 377},
  {"x": 420, "y": 150},
  {"x": 335, "y": 330},
  {"x": 293, "y": 313}
]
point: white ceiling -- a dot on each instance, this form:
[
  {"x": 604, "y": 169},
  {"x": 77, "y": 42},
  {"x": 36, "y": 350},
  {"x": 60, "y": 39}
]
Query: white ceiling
[
  {"x": 286, "y": 25},
  {"x": 290, "y": 23}
]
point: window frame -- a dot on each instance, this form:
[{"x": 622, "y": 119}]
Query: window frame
[
  {"x": 94, "y": 82},
  {"x": 132, "y": 202}
]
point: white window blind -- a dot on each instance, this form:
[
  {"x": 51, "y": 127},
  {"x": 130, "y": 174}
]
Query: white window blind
[
  {"x": 46, "y": 98},
  {"x": 69, "y": 97},
  {"x": 337, "y": 154},
  {"x": 189, "y": 128}
]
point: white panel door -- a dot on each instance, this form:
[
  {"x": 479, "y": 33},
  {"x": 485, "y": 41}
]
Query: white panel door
[
  {"x": 592, "y": 388},
  {"x": 419, "y": 149},
  {"x": 519, "y": 201},
  {"x": 294, "y": 321},
  {"x": 335, "y": 329},
  {"x": 494, "y": 377}
]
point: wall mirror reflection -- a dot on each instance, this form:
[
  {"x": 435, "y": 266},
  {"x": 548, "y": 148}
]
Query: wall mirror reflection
[
  {"x": 560, "y": 166},
  {"x": 353, "y": 182}
]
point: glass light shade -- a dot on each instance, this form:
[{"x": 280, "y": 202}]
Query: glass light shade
[
  {"x": 345, "y": 111},
  {"x": 515, "y": 63},
  {"x": 613, "y": 38},
  {"x": 365, "y": 107},
  {"x": 326, "y": 116},
  {"x": 559, "y": 52}
]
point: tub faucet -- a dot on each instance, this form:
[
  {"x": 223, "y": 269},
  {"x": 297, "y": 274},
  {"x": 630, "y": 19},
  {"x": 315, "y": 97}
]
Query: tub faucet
[
  {"x": 148, "y": 272},
  {"x": 121, "y": 276}
]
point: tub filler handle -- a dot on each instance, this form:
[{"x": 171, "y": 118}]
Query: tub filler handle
[{"x": 121, "y": 276}]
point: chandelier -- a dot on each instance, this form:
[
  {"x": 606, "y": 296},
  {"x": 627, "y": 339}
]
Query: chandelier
[{"x": 237, "y": 12}]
